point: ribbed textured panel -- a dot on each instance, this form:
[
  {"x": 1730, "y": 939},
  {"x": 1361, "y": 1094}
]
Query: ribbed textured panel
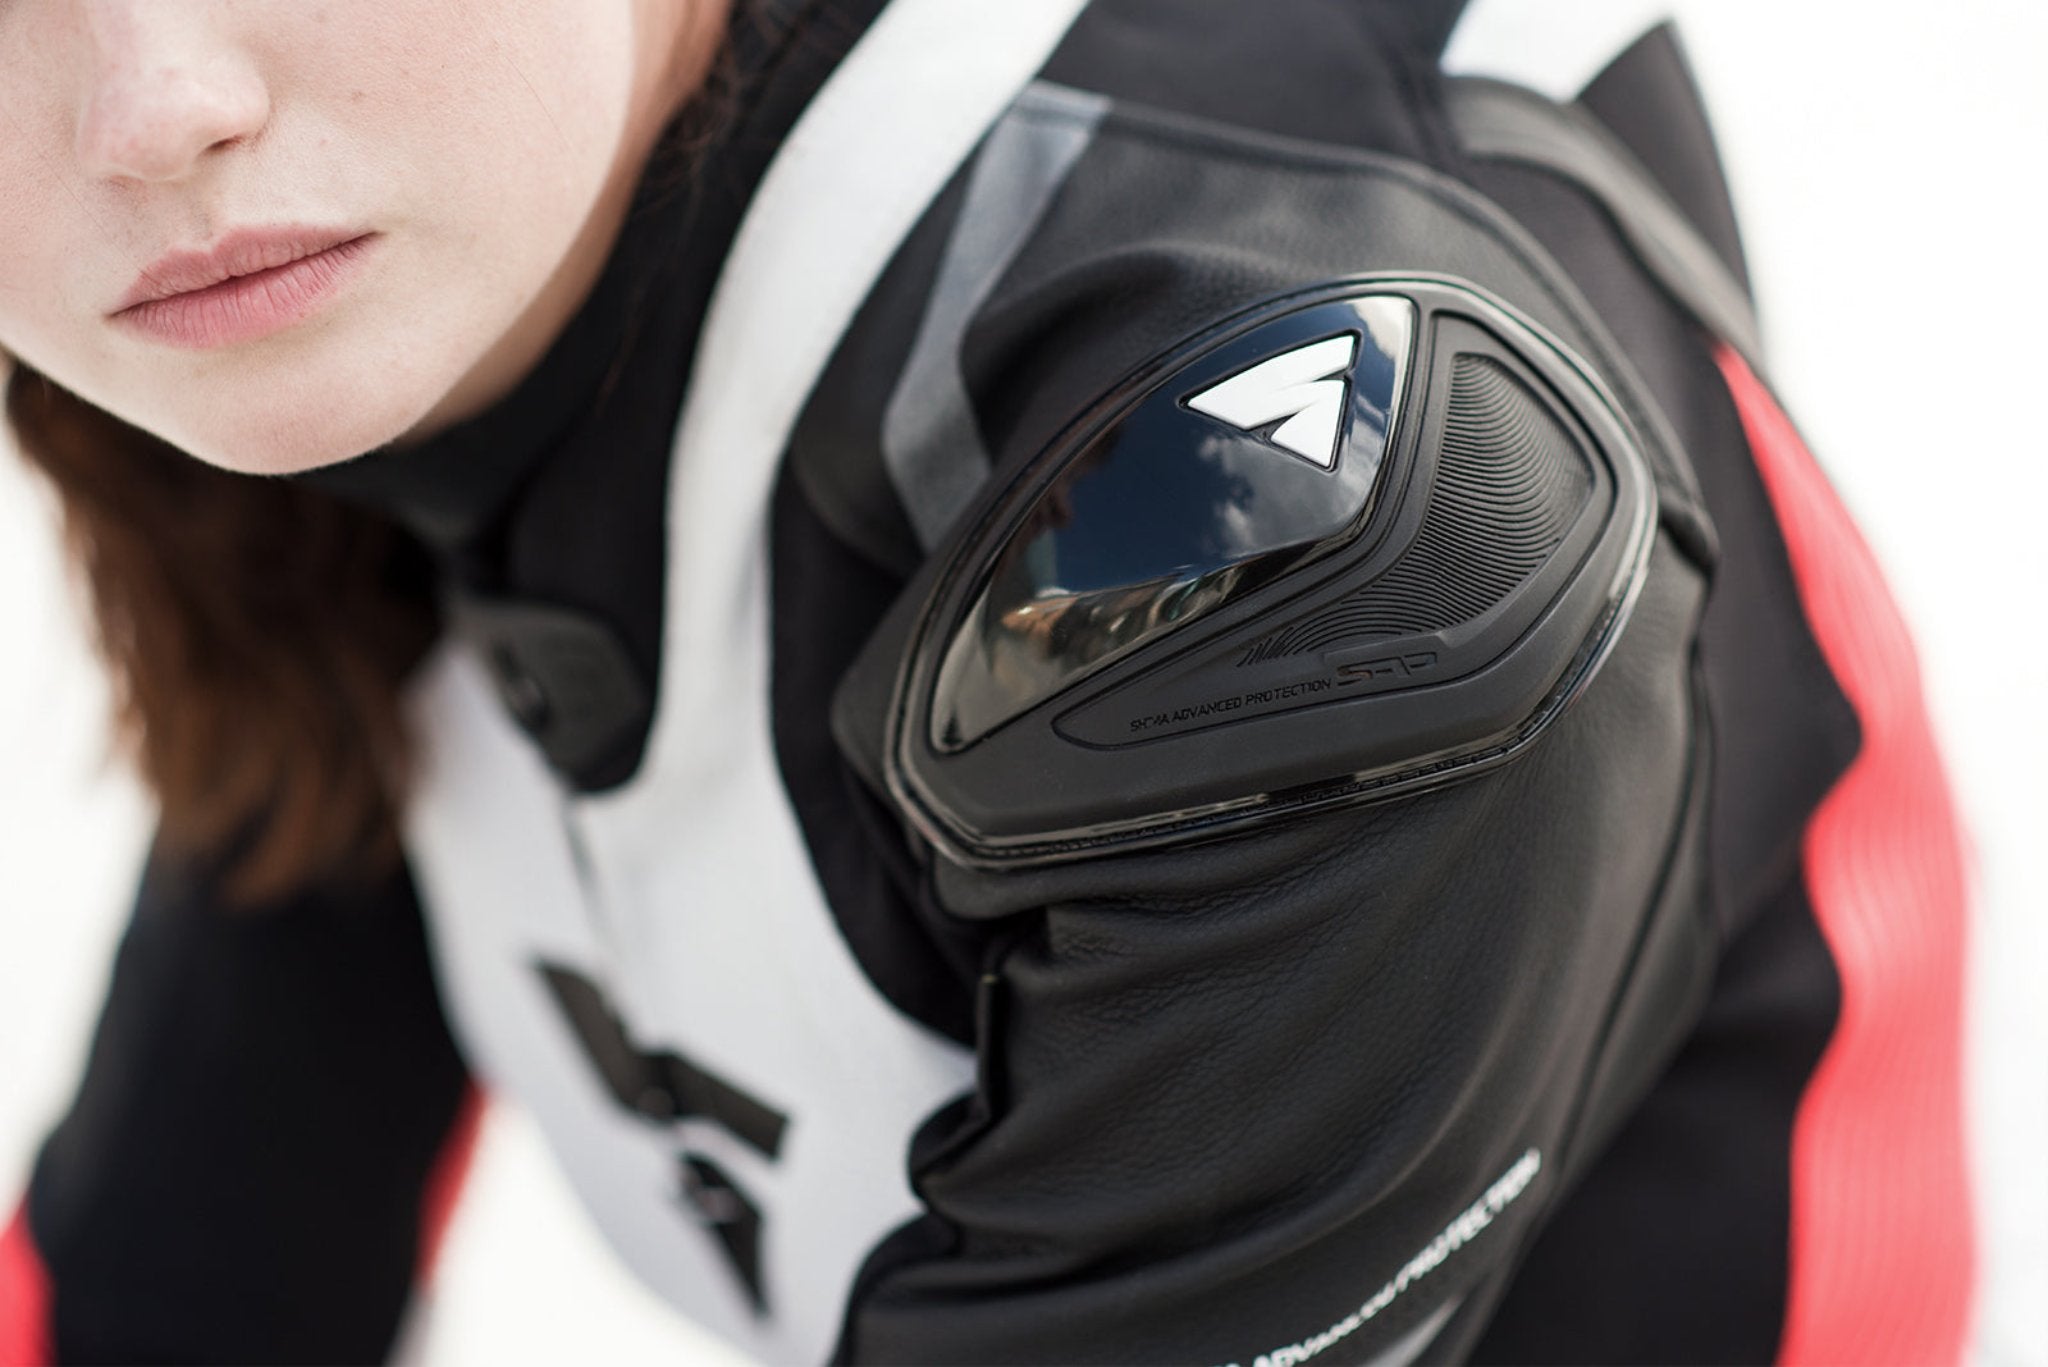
[
  {"x": 445, "y": 1183},
  {"x": 1883, "y": 1247},
  {"x": 24, "y": 1299},
  {"x": 1509, "y": 484}
]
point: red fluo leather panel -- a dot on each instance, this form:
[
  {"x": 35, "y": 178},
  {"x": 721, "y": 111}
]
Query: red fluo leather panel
[
  {"x": 445, "y": 1182},
  {"x": 1883, "y": 1246},
  {"x": 24, "y": 1299}
]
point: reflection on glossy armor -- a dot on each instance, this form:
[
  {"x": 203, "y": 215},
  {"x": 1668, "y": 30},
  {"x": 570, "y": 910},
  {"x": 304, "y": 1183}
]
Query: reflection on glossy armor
[{"x": 1168, "y": 513}]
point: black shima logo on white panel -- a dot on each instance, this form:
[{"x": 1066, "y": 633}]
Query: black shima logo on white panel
[{"x": 662, "y": 1088}]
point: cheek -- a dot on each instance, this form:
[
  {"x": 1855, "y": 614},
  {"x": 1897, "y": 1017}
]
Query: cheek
[
  {"x": 50, "y": 242},
  {"x": 499, "y": 117},
  {"x": 481, "y": 132}
]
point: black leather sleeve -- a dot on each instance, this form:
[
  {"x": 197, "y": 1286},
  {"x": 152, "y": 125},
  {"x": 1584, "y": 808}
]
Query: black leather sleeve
[
  {"x": 1317, "y": 1083},
  {"x": 1304, "y": 1087},
  {"x": 240, "y": 1177}
]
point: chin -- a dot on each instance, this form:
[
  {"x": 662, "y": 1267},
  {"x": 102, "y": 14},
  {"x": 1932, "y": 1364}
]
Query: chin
[
  {"x": 289, "y": 427},
  {"x": 296, "y": 442},
  {"x": 279, "y": 458}
]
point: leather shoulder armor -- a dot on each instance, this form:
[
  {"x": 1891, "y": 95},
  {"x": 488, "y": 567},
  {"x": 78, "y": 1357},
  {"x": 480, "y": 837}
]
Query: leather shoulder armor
[{"x": 1355, "y": 541}]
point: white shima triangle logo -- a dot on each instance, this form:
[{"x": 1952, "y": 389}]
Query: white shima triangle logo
[{"x": 1303, "y": 390}]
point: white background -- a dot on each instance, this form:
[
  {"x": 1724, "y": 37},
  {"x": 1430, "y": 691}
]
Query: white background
[{"x": 1887, "y": 163}]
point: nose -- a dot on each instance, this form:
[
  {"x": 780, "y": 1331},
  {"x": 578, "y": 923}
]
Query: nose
[{"x": 163, "y": 91}]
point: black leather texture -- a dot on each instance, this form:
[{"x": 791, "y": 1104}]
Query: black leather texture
[{"x": 1231, "y": 1089}]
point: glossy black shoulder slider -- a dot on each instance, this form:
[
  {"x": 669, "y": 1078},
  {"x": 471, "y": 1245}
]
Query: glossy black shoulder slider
[{"x": 1360, "y": 539}]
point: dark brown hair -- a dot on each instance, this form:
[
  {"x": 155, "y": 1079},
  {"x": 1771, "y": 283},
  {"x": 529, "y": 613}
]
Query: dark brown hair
[{"x": 257, "y": 634}]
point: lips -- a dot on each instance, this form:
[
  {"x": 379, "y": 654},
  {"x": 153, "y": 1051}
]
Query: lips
[
  {"x": 246, "y": 251},
  {"x": 196, "y": 301}
]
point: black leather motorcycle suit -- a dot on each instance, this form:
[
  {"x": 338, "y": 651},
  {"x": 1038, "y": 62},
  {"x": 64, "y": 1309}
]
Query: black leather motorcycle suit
[{"x": 1150, "y": 683}]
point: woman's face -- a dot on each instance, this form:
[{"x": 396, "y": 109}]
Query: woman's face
[{"x": 474, "y": 158}]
